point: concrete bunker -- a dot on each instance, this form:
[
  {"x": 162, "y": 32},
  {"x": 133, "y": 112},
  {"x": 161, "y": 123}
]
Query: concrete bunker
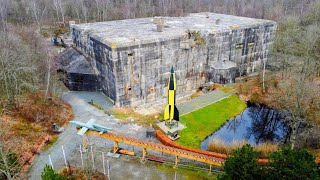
[{"x": 131, "y": 59}]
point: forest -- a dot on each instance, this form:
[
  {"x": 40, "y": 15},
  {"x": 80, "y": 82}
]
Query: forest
[{"x": 27, "y": 63}]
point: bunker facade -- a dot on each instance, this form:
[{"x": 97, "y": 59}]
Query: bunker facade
[{"x": 131, "y": 59}]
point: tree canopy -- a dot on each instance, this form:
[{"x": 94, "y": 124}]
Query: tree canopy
[
  {"x": 290, "y": 163},
  {"x": 242, "y": 164},
  {"x": 286, "y": 163}
]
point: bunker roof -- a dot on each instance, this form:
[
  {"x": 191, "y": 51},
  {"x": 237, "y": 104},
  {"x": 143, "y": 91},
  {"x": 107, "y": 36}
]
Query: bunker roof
[{"x": 129, "y": 32}]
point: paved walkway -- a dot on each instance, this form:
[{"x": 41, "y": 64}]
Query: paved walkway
[
  {"x": 71, "y": 142},
  {"x": 82, "y": 111},
  {"x": 201, "y": 101}
]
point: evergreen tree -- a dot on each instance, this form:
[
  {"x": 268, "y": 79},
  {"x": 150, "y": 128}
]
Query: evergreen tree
[
  {"x": 242, "y": 164},
  {"x": 292, "y": 164},
  {"x": 49, "y": 174}
]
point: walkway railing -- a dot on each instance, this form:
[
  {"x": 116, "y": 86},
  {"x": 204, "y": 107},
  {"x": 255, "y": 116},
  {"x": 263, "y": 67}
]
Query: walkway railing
[{"x": 145, "y": 145}]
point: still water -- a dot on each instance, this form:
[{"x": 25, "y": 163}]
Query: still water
[{"x": 256, "y": 124}]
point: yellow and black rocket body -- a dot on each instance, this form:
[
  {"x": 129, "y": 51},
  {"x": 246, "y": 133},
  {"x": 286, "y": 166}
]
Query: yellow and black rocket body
[{"x": 171, "y": 112}]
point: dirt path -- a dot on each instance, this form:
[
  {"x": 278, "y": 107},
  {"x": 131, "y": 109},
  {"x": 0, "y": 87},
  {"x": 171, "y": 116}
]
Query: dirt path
[{"x": 71, "y": 141}]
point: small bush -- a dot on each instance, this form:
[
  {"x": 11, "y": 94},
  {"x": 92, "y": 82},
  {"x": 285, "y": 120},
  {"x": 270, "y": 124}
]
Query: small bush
[
  {"x": 199, "y": 39},
  {"x": 60, "y": 30},
  {"x": 45, "y": 34},
  {"x": 255, "y": 98},
  {"x": 49, "y": 174},
  {"x": 81, "y": 173}
]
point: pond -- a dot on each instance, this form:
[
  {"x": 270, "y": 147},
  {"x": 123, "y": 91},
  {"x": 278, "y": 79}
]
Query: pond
[{"x": 256, "y": 124}]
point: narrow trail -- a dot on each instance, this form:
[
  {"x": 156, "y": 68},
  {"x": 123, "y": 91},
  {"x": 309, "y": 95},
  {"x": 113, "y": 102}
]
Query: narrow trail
[{"x": 82, "y": 111}]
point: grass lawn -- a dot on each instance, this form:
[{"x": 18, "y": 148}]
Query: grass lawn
[{"x": 205, "y": 121}]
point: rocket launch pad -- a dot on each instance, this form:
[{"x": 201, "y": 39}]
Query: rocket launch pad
[{"x": 171, "y": 124}]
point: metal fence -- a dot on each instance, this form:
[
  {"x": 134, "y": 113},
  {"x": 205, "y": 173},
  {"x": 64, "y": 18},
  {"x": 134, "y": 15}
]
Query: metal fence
[{"x": 96, "y": 158}]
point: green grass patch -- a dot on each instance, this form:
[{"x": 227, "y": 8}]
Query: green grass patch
[
  {"x": 98, "y": 107},
  {"x": 205, "y": 121},
  {"x": 51, "y": 143}
]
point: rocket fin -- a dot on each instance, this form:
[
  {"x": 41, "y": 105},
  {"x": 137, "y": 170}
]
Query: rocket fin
[{"x": 176, "y": 113}]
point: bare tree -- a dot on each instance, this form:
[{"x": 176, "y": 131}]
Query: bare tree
[
  {"x": 48, "y": 62},
  {"x": 38, "y": 9},
  {"x": 99, "y": 7},
  {"x": 16, "y": 69},
  {"x": 56, "y": 8},
  {"x": 9, "y": 163},
  {"x": 295, "y": 101},
  {"x": 76, "y": 8},
  {"x": 84, "y": 10},
  {"x": 4, "y": 6},
  {"x": 59, "y": 6}
]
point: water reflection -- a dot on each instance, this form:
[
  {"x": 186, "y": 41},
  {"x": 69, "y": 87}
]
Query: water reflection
[
  {"x": 267, "y": 125},
  {"x": 255, "y": 124}
]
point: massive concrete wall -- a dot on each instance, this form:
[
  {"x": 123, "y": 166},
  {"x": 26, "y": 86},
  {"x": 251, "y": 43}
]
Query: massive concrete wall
[{"x": 138, "y": 75}]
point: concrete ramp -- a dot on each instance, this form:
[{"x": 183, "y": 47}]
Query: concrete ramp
[{"x": 201, "y": 101}]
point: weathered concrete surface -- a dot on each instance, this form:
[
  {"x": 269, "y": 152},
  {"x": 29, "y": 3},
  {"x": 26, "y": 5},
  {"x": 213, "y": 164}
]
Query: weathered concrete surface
[
  {"x": 187, "y": 105},
  {"x": 79, "y": 73},
  {"x": 201, "y": 101},
  {"x": 134, "y": 59}
]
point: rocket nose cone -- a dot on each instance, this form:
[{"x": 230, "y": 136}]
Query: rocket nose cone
[{"x": 172, "y": 71}]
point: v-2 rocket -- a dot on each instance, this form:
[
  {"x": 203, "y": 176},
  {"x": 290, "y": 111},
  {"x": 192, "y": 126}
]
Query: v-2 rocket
[{"x": 171, "y": 112}]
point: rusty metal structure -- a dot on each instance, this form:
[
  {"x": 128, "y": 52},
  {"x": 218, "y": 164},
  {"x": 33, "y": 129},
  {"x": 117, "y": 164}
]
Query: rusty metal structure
[{"x": 145, "y": 145}]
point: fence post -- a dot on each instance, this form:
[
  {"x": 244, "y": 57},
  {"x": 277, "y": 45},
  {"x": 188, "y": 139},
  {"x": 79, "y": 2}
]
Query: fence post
[
  {"x": 108, "y": 164},
  {"x": 92, "y": 158},
  {"x": 81, "y": 156},
  {"x": 104, "y": 169},
  {"x": 64, "y": 156},
  {"x": 50, "y": 162}
]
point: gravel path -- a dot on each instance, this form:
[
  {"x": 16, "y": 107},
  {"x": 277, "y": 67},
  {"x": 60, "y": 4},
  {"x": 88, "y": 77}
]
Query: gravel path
[
  {"x": 122, "y": 168},
  {"x": 201, "y": 101}
]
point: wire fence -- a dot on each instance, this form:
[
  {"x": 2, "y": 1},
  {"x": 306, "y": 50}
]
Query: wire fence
[{"x": 100, "y": 158}]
